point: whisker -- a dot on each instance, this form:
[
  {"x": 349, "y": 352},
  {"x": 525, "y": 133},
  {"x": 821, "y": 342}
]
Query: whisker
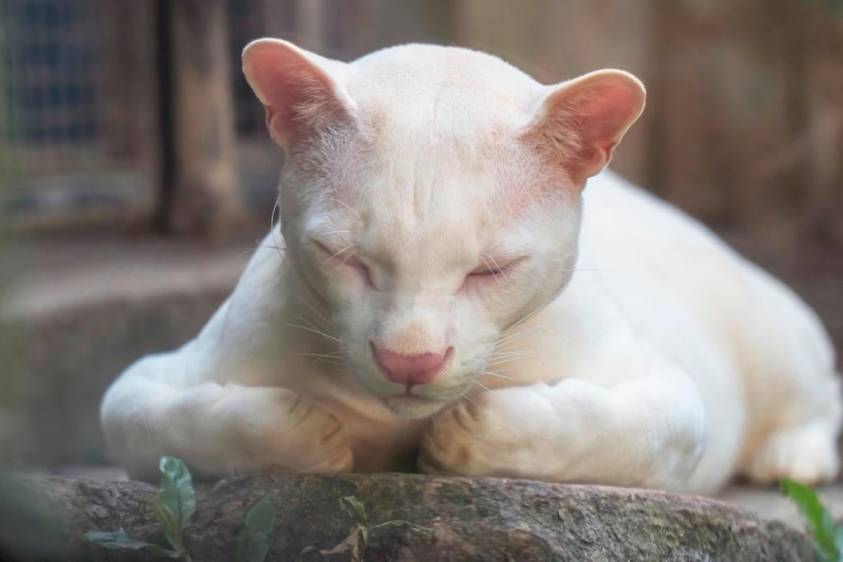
[
  {"x": 507, "y": 338},
  {"x": 315, "y": 310},
  {"x": 506, "y": 276},
  {"x": 505, "y": 361},
  {"x": 317, "y": 332},
  {"x": 521, "y": 321},
  {"x": 488, "y": 266},
  {"x": 275, "y": 211},
  {"x": 350, "y": 251},
  {"x": 272, "y": 215},
  {"x": 334, "y": 355},
  {"x": 480, "y": 384},
  {"x": 498, "y": 375},
  {"x": 516, "y": 352},
  {"x": 576, "y": 269},
  {"x": 339, "y": 201},
  {"x": 332, "y": 364},
  {"x": 306, "y": 321},
  {"x": 509, "y": 359},
  {"x": 465, "y": 396}
]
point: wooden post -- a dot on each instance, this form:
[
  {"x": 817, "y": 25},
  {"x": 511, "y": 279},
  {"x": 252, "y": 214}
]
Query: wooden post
[{"x": 204, "y": 196}]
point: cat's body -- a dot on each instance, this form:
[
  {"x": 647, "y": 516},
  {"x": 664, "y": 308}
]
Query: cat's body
[{"x": 656, "y": 357}]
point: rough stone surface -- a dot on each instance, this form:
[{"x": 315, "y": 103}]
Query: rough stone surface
[{"x": 420, "y": 518}]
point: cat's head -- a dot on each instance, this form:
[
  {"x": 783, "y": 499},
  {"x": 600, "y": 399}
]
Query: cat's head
[{"x": 431, "y": 199}]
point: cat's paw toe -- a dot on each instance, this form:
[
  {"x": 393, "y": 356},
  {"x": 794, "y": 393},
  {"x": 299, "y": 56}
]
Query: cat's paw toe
[
  {"x": 456, "y": 442},
  {"x": 806, "y": 454}
]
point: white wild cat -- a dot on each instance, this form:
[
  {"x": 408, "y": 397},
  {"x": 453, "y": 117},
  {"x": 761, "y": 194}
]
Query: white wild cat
[{"x": 445, "y": 291}]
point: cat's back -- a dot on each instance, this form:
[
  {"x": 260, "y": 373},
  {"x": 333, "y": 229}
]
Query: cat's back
[
  {"x": 669, "y": 273},
  {"x": 620, "y": 215},
  {"x": 629, "y": 233}
]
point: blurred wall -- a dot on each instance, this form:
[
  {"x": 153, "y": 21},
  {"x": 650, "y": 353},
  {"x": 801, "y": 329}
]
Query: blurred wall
[{"x": 744, "y": 124}]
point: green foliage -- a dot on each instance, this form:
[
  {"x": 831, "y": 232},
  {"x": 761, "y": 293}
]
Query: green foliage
[
  {"x": 357, "y": 540},
  {"x": 836, "y": 5},
  {"x": 354, "y": 508},
  {"x": 828, "y": 538},
  {"x": 120, "y": 540},
  {"x": 358, "y": 536},
  {"x": 115, "y": 540},
  {"x": 176, "y": 502},
  {"x": 174, "y": 506},
  {"x": 253, "y": 544}
]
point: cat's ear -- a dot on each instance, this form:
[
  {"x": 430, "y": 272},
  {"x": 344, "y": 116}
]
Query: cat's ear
[
  {"x": 301, "y": 91},
  {"x": 578, "y": 123}
]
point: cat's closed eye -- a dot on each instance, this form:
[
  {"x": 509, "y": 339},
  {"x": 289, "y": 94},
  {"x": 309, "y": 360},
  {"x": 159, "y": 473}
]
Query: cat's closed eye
[
  {"x": 492, "y": 270},
  {"x": 345, "y": 257}
]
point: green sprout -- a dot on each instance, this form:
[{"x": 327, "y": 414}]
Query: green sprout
[
  {"x": 253, "y": 544},
  {"x": 174, "y": 505},
  {"x": 828, "y": 537}
]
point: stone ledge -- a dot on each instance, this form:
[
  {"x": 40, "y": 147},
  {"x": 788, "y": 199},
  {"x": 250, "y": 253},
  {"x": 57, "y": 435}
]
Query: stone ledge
[
  {"x": 433, "y": 518},
  {"x": 80, "y": 312}
]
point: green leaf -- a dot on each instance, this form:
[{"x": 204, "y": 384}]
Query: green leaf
[
  {"x": 253, "y": 543},
  {"x": 817, "y": 517},
  {"x": 177, "y": 490},
  {"x": 116, "y": 540},
  {"x": 168, "y": 522},
  {"x": 120, "y": 540},
  {"x": 176, "y": 502},
  {"x": 354, "y": 508}
]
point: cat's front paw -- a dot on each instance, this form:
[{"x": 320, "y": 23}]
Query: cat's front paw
[
  {"x": 467, "y": 439},
  {"x": 274, "y": 429}
]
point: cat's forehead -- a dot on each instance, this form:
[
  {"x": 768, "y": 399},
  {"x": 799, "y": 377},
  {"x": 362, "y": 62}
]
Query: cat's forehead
[
  {"x": 437, "y": 150},
  {"x": 448, "y": 91}
]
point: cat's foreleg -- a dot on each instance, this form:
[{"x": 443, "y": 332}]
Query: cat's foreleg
[
  {"x": 216, "y": 429},
  {"x": 644, "y": 432}
]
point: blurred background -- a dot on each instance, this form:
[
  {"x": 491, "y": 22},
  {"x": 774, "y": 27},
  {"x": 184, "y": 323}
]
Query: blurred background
[{"x": 136, "y": 174}]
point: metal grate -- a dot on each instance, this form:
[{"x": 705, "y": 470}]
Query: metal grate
[
  {"x": 63, "y": 145},
  {"x": 48, "y": 84},
  {"x": 79, "y": 122}
]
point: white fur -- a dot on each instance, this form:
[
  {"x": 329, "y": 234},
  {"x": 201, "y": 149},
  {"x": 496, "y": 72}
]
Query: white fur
[{"x": 628, "y": 346}]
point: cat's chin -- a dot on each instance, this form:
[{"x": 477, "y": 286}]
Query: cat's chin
[{"x": 412, "y": 406}]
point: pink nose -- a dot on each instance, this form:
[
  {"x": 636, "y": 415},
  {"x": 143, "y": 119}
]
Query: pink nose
[{"x": 410, "y": 369}]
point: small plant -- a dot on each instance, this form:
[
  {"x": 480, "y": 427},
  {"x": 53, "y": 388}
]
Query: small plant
[
  {"x": 828, "y": 537},
  {"x": 253, "y": 544},
  {"x": 358, "y": 536},
  {"x": 174, "y": 506}
]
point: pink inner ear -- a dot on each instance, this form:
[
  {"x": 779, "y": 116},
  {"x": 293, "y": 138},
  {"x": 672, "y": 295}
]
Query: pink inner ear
[
  {"x": 585, "y": 120},
  {"x": 605, "y": 113},
  {"x": 298, "y": 96}
]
